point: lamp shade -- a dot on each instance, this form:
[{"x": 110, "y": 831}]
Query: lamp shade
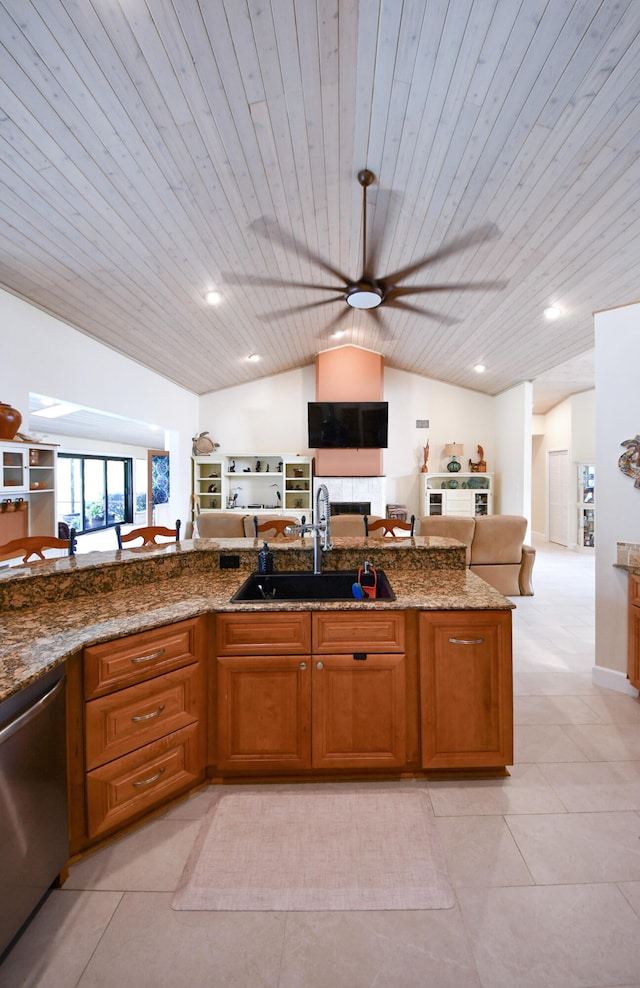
[{"x": 453, "y": 449}]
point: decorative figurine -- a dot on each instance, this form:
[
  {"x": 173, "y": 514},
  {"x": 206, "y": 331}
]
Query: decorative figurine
[
  {"x": 480, "y": 466},
  {"x": 232, "y": 466},
  {"x": 258, "y": 466},
  {"x": 425, "y": 453}
]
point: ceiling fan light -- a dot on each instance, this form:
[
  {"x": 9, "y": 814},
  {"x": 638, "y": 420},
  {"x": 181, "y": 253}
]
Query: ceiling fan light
[{"x": 364, "y": 297}]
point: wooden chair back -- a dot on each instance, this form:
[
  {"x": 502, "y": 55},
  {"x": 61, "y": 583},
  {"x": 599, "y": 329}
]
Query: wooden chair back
[
  {"x": 274, "y": 526},
  {"x": 148, "y": 534},
  {"x": 387, "y": 527},
  {"x": 34, "y": 545}
]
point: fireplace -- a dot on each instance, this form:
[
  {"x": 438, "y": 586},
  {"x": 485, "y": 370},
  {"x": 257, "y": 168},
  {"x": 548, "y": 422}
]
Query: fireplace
[
  {"x": 355, "y": 495},
  {"x": 351, "y": 507}
]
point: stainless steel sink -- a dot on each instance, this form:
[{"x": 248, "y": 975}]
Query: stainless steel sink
[{"x": 291, "y": 585}]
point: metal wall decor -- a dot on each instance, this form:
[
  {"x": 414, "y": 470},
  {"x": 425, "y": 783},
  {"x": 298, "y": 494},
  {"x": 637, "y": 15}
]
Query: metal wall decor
[{"x": 629, "y": 462}]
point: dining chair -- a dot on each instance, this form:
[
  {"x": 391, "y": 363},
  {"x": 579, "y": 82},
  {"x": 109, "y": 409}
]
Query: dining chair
[
  {"x": 34, "y": 545},
  {"x": 148, "y": 534},
  {"x": 387, "y": 527},
  {"x": 274, "y": 526}
]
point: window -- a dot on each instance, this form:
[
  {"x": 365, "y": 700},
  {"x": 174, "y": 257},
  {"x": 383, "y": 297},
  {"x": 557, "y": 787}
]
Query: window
[{"x": 94, "y": 491}]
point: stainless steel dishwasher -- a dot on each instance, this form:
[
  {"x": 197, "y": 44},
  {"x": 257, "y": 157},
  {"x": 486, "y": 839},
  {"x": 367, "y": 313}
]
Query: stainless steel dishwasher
[{"x": 34, "y": 844}]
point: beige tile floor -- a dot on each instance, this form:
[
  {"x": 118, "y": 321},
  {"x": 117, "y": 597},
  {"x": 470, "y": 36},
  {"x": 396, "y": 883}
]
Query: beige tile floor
[{"x": 545, "y": 864}]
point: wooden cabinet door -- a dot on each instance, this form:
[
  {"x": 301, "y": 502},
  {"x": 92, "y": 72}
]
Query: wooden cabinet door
[
  {"x": 633, "y": 648},
  {"x": 359, "y": 711},
  {"x": 466, "y": 689},
  {"x": 264, "y": 712}
]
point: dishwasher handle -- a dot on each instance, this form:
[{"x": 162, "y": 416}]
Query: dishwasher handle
[{"x": 31, "y": 712}]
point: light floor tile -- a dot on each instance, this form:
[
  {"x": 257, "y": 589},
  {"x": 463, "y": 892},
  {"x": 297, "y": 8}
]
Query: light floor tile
[
  {"x": 579, "y": 847},
  {"x": 367, "y": 949},
  {"x": 480, "y": 850},
  {"x": 631, "y": 892},
  {"x": 150, "y": 859},
  {"x": 587, "y": 787},
  {"x": 548, "y": 743},
  {"x": 150, "y": 945},
  {"x": 555, "y": 710},
  {"x": 607, "y": 742},
  {"x": 60, "y": 940},
  {"x": 561, "y": 936},
  {"x": 615, "y": 708},
  {"x": 525, "y": 791}
]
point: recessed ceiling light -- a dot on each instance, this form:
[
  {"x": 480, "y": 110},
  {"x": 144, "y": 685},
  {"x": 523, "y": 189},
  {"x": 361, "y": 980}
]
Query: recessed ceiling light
[
  {"x": 254, "y": 357},
  {"x": 339, "y": 333},
  {"x": 479, "y": 368},
  {"x": 552, "y": 312},
  {"x": 213, "y": 298}
]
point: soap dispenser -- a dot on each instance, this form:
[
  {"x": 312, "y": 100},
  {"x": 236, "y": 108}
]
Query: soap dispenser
[{"x": 265, "y": 559}]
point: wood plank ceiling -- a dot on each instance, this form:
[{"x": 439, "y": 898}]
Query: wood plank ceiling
[{"x": 152, "y": 150}]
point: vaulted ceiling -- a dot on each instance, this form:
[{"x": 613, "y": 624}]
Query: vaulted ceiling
[{"x": 154, "y": 150}]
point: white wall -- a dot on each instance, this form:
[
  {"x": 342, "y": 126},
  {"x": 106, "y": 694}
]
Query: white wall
[
  {"x": 617, "y": 500},
  {"x": 514, "y": 415},
  {"x": 269, "y": 416},
  {"x": 46, "y": 356}
]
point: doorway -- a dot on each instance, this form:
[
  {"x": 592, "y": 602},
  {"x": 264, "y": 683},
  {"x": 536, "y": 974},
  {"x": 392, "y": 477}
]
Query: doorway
[{"x": 559, "y": 496}]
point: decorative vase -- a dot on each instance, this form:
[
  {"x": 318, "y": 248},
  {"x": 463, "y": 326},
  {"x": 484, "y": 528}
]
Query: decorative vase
[{"x": 10, "y": 419}]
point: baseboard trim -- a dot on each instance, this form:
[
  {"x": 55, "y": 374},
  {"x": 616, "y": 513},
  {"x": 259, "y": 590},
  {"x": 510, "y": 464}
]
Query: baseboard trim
[{"x": 611, "y": 679}]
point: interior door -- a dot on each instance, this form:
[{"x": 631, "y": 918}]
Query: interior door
[{"x": 559, "y": 496}]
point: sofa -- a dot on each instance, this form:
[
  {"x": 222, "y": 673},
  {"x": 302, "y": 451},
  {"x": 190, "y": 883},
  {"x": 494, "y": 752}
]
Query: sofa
[
  {"x": 495, "y": 548},
  {"x": 218, "y": 525}
]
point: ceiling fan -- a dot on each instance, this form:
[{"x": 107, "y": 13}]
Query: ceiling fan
[{"x": 369, "y": 292}]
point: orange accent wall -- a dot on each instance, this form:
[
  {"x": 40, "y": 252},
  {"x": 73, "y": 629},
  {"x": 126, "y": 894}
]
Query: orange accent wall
[{"x": 349, "y": 373}]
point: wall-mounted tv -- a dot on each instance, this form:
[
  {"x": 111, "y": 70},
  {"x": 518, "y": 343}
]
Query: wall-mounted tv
[{"x": 348, "y": 424}]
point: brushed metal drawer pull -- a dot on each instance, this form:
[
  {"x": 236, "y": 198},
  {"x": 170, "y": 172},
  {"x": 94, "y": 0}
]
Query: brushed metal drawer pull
[
  {"x": 466, "y": 641},
  {"x": 154, "y": 713},
  {"x": 148, "y": 658},
  {"x": 147, "y": 782}
]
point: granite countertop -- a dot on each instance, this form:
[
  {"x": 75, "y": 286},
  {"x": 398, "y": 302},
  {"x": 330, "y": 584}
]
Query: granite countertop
[{"x": 50, "y": 610}]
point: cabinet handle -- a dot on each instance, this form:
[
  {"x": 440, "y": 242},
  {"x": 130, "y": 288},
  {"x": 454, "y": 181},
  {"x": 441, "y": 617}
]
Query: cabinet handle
[
  {"x": 147, "y": 782},
  {"x": 319, "y": 665},
  {"x": 466, "y": 641},
  {"x": 148, "y": 658},
  {"x": 154, "y": 713},
  {"x": 303, "y": 665}
]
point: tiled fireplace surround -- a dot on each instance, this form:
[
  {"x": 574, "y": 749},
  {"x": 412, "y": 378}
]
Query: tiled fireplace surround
[{"x": 348, "y": 489}]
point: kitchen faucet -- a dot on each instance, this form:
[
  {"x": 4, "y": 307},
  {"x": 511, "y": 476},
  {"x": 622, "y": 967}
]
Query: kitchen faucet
[{"x": 320, "y": 526}]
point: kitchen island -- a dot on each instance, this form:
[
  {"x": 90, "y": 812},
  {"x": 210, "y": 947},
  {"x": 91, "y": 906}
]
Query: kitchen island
[{"x": 170, "y": 684}]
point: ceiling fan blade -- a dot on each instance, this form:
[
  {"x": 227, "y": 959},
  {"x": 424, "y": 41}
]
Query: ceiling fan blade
[
  {"x": 272, "y": 232},
  {"x": 255, "y": 279},
  {"x": 458, "y": 286},
  {"x": 395, "y": 303},
  {"x": 283, "y": 313},
  {"x": 487, "y": 232},
  {"x": 343, "y": 314}
]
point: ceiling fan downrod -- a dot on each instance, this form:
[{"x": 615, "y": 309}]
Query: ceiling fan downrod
[{"x": 364, "y": 294}]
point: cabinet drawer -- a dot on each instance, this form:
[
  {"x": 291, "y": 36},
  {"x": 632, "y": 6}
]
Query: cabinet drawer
[
  {"x": 138, "y": 657},
  {"x": 284, "y": 633},
  {"x": 129, "y": 718},
  {"x": 358, "y": 631},
  {"x": 132, "y": 785}
]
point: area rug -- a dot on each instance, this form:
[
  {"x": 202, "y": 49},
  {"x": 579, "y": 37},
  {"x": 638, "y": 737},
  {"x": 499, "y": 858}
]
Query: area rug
[{"x": 283, "y": 851}]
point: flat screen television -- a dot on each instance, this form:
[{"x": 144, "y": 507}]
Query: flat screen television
[{"x": 348, "y": 424}]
